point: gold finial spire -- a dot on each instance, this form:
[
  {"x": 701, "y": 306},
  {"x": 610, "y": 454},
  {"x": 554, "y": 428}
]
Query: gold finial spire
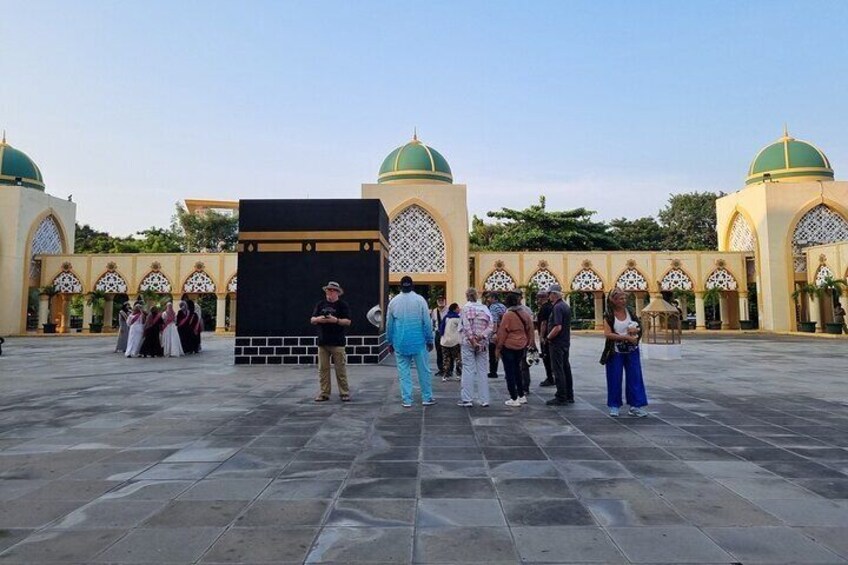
[
  {"x": 786, "y": 131},
  {"x": 415, "y": 134},
  {"x": 4, "y": 136}
]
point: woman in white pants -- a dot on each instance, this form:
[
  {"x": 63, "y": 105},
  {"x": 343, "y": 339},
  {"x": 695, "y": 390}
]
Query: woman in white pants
[{"x": 475, "y": 326}]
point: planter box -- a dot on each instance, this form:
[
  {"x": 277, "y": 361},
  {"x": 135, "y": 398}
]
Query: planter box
[
  {"x": 832, "y": 328},
  {"x": 747, "y": 325},
  {"x": 49, "y": 328},
  {"x": 807, "y": 327},
  {"x": 714, "y": 325},
  {"x": 95, "y": 328}
]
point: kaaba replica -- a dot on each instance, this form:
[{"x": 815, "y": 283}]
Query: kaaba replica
[{"x": 288, "y": 250}]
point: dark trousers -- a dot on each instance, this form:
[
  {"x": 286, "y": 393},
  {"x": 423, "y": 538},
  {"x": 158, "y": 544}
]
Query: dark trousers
[
  {"x": 546, "y": 359},
  {"x": 525, "y": 372},
  {"x": 440, "y": 355},
  {"x": 617, "y": 365},
  {"x": 512, "y": 371},
  {"x": 562, "y": 372},
  {"x": 493, "y": 361}
]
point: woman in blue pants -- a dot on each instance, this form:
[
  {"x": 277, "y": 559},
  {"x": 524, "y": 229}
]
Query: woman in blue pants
[{"x": 621, "y": 356}]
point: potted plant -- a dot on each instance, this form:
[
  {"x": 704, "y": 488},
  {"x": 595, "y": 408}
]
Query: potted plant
[
  {"x": 836, "y": 287},
  {"x": 49, "y": 291},
  {"x": 811, "y": 291},
  {"x": 96, "y": 299},
  {"x": 712, "y": 298}
]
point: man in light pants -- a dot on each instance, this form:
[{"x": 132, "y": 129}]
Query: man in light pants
[
  {"x": 475, "y": 326},
  {"x": 409, "y": 333}
]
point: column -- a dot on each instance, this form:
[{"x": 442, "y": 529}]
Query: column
[
  {"x": 700, "y": 313},
  {"x": 87, "y": 313},
  {"x": 221, "y": 313},
  {"x": 233, "y": 302},
  {"x": 813, "y": 309},
  {"x": 640, "y": 303},
  {"x": 743, "y": 307},
  {"x": 108, "y": 311},
  {"x": 599, "y": 310},
  {"x": 723, "y": 312},
  {"x": 66, "y": 313},
  {"x": 42, "y": 311}
]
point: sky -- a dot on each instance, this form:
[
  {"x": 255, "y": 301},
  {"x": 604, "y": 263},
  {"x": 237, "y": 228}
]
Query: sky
[{"x": 613, "y": 106}]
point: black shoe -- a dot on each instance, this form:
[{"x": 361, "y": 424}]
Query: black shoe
[
  {"x": 556, "y": 402},
  {"x": 440, "y": 374},
  {"x": 570, "y": 401},
  {"x": 547, "y": 383}
]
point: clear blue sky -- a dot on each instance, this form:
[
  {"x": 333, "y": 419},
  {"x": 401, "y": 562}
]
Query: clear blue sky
[{"x": 132, "y": 106}]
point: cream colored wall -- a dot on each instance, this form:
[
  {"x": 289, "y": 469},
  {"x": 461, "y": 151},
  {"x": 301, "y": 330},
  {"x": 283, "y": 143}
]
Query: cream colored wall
[
  {"x": 773, "y": 210},
  {"x": 21, "y": 210},
  {"x": 134, "y": 267},
  {"x": 834, "y": 255},
  {"x": 609, "y": 265},
  {"x": 447, "y": 204}
]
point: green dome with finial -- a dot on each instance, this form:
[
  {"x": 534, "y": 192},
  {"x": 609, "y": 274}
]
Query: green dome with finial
[
  {"x": 414, "y": 163},
  {"x": 17, "y": 169},
  {"x": 789, "y": 159}
]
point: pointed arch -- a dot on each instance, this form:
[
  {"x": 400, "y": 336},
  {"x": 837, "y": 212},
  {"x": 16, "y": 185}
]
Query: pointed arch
[
  {"x": 586, "y": 280},
  {"x": 499, "y": 279},
  {"x": 741, "y": 236},
  {"x": 47, "y": 236},
  {"x": 67, "y": 282},
  {"x": 232, "y": 284},
  {"x": 156, "y": 281},
  {"x": 676, "y": 279},
  {"x": 112, "y": 282},
  {"x": 417, "y": 240},
  {"x": 820, "y": 221},
  {"x": 543, "y": 278},
  {"x": 721, "y": 279},
  {"x": 631, "y": 279},
  {"x": 199, "y": 282},
  {"x": 822, "y": 274}
]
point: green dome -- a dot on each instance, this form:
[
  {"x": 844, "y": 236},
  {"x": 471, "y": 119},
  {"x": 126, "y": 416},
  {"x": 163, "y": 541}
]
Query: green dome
[
  {"x": 16, "y": 169},
  {"x": 789, "y": 159},
  {"x": 415, "y": 163}
]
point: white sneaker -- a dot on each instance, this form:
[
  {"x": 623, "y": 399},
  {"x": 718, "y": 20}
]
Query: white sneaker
[
  {"x": 522, "y": 400},
  {"x": 430, "y": 402},
  {"x": 613, "y": 412},
  {"x": 406, "y": 405},
  {"x": 484, "y": 405},
  {"x": 464, "y": 403},
  {"x": 511, "y": 402},
  {"x": 637, "y": 412}
]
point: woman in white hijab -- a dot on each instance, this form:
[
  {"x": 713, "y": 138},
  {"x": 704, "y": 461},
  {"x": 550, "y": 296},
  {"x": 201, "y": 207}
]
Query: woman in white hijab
[
  {"x": 170, "y": 336},
  {"x": 136, "y": 333}
]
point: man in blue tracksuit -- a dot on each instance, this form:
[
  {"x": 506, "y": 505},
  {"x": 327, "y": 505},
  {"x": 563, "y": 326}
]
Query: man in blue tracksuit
[{"x": 409, "y": 333}]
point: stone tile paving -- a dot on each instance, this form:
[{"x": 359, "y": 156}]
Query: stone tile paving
[{"x": 107, "y": 460}]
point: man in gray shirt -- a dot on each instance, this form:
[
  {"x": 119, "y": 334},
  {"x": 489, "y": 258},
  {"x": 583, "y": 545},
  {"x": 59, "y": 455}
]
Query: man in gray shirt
[{"x": 559, "y": 342}]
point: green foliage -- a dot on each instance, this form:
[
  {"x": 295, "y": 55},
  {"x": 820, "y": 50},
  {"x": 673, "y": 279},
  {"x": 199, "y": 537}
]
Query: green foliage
[
  {"x": 711, "y": 300},
  {"x": 482, "y": 234},
  {"x": 810, "y": 290},
  {"x": 207, "y": 230},
  {"x": 537, "y": 229},
  {"x": 96, "y": 299},
  {"x": 152, "y": 240},
  {"x": 641, "y": 234},
  {"x": 689, "y": 221}
]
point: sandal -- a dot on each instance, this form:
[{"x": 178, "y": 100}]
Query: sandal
[
  {"x": 322, "y": 398},
  {"x": 345, "y": 397}
]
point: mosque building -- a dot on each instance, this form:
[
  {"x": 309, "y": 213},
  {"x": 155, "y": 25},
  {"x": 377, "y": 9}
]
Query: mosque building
[{"x": 788, "y": 225}]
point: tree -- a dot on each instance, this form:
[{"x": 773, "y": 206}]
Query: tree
[
  {"x": 641, "y": 234},
  {"x": 537, "y": 229},
  {"x": 206, "y": 230},
  {"x": 482, "y": 234},
  {"x": 160, "y": 240},
  {"x": 152, "y": 240},
  {"x": 689, "y": 221}
]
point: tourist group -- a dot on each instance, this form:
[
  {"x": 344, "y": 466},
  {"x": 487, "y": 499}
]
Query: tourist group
[
  {"x": 156, "y": 332},
  {"x": 473, "y": 340}
]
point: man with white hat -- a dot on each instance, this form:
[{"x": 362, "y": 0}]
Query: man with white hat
[{"x": 332, "y": 316}]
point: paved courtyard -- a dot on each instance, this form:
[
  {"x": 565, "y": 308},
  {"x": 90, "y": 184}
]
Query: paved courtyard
[{"x": 109, "y": 460}]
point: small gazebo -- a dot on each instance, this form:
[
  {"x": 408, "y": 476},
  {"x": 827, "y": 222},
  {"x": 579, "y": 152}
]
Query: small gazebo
[{"x": 661, "y": 331}]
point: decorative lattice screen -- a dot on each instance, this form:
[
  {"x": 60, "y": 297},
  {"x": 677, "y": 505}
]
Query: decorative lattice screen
[
  {"x": 417, "y": 243},
  {"x": 200, "y": 282},
  {"x": 823, "y": 274},
  {"x": 47, "y": 240},
  {"x": 820, "y": 225},
  {"x": 543, "y": 279},
  {"x": 631, "y": 279},
  {"x": 112, "y": 282},
  {"x": 499, "y": 280},
  {"x": 721, "y": 279},
  {"x": 741, "y": 235},
  {"x": 587, "y": 280},
  {"x": 67, "y": 283},
  {"x": 232, "y": 286},
  {"x": 676, "y": 279},
  {"x": 155, "y": 281}
]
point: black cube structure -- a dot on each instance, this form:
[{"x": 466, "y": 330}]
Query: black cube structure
[{"x": 288, "y": 250}]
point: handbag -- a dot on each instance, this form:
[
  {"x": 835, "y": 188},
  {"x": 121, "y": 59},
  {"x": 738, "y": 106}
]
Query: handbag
[{"x": 609, "y": 347}]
